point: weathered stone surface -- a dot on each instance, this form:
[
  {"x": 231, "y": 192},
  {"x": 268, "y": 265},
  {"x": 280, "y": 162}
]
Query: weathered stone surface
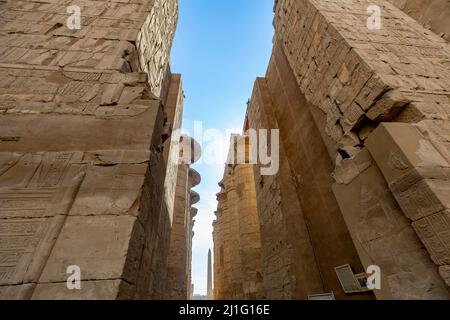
[
  {"x": 310, "y": 170},
  {"x": 384, "y": 236},
  {"x": 369, "y": 108},
  {"x": 433, "y": 231},
  {"x": 178, "y": 283},
  {"x": 209, "y": 284},
  {"x": 91, "y": 290},
  {"x": 177, "y": 264},
  {"x": 115, "y": 242},
  {"x": 174, "y": 111},
  {"x": 237, "y": 238},
  {"x": 445, "y": 274},
  {"x": 396, "y": 73},
  {"x": 432, "y": 14},
  {"x": 20, "y": 292},
  {"x": 153, "y": 48},
  {"x": 81, "y": 164},
  {"x": 416, "y": 171},
  {"x": 289, "y": 267},
  {"x": 410, "y": 158}
]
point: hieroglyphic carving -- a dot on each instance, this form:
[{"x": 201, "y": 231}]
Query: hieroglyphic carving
[
  {"x": 76, "y": 89},
  {"x": 84, "y": 76},
  {"x": 434, "y": 231},
  {"x": 53, "y": 168},
  {"x": 445, "y": 274},
  {"x": 35, "y": 190},
  {"x": 377, "y": 217},
  {"x": 26, "y": 202},
  {"x": 18, "y": 241},
  {"x": 396, "y": 161},
  {"x": 7, "y": 160},
  {"x": 69, "y": 92},
  {"x": 423, "y": 198},
  {"x": 383, "y": 235},
  {"x": 9, "y": 139}
]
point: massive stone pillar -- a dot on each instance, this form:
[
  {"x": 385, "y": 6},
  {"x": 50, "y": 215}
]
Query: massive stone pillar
[
  {"x": 221, "y": 247},
  {"x": 194, "y": 180},
  {"x": 363, "y": 120},
  {"x": 294, "y": 204},
  {"x": 249, "y": 229},
  {"x": 237, "y": 242},
  {"x": 233, "y": 254},
  {"x": 177, "y": 261},
  {"x": 81, "y": 130},
  {"x": 310, "y": 155},
  {"x": 390, "y": 177},
  {"x": 178, "y": 285}
]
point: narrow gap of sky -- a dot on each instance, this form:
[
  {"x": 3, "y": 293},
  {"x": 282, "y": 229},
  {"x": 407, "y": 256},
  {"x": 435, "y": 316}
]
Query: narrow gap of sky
[{"x": 220, "y": 47}]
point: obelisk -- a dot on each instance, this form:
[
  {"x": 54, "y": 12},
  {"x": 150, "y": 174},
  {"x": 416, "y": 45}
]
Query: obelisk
[{"x": 209, "y": 295}]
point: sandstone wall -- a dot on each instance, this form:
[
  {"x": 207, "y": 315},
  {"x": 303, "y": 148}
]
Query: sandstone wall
[
  {"x": 364, "y": 153},
  {"x": 153, "y": 47},
  {"x": 179, "y": 284},
  {"x": 194, "y": 180},
  {"x": 310, "y": 166},
  {"x": 237, "y": 240},
  {"x": 249, "y": 229},
  {"x": 361, "y": 78},
  {"x": 233, "y": 256},
  {"x": 176, "y": 267},
  {"x": 288, "y": 262},
  {"x": 383, "y": 235},
  {"x": 174, "y": 111},
  {"x": 432, "y": 14},
  {"x": 220, "y": 267},
  {"x": 82, "y": 168},
  {"x": 227, "y": 265}
]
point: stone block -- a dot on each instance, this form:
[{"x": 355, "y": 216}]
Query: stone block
[
  {"x": 388, "y": 107},
  {"x": 334, "y": 54},
  {"x": 415, "y": 170},
  {"x": 104, "y": 247},
  {"x": 111, "y": 190},
  {"x": 55, "y": 132},
  {"x": 424, "y": 198},
  {"x": 434, "y": 231},
  {"x": 90, "y": 290},
  {"x": 17, "y": 292},
  {"x": 445, "y": 274},
  {"x": 383, "y": 236},
  {"x": 399, "y": 148}
]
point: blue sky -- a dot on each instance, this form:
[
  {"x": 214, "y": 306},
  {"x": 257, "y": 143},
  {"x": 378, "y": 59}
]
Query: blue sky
[{"x": 220, "y": 47}]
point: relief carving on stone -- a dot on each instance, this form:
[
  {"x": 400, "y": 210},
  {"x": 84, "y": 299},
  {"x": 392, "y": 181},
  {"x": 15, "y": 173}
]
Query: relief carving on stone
[{"x": 36, "y": 192}]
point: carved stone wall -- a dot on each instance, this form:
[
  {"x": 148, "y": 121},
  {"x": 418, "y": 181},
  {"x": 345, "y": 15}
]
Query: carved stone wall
[
  {"x": 383, "y": 235},
  {"x": 176, "y": 268},
  {"x": 361, "y": 77},
  {"x": 364, "y": 151},
  {"x": 311, "y": 168},
  {"x": 289, "y": 266},
  {"x": 221, "y": 248},
  {"x": 82, "y": 172},
  {"x": 153, "y": 47},
  {"x": 174, "y": 111},
  {"x": 432, "y": 14},
  {"x": 237, "y": 238},
  {"x": 179, "y": 284}
]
